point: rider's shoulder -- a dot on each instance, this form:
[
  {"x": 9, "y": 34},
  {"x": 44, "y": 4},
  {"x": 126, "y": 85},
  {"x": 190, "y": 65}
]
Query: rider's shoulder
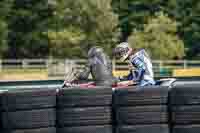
[{"x": 139, "y": 52}]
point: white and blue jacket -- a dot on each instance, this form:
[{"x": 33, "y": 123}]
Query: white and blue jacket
[{"x": 144, "y": 70}]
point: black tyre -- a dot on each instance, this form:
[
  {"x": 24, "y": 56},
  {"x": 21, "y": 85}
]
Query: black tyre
[
  {"x": 188, "y": 82},
  {"x": 79, "y": 97},
  {"x": 84, "y": 116},
  {"x": 29, "y": 119},
  {"x": 142, "y": 115},
  {"x": 186, "y": 129},
  {"x": 185, "y": 95},
  {"x": 86, "y": 129},
  {"x": 143, "y": 129},
  {"x": 2, "y": 93},
  {"x": 2, "y": 96},
  {"x": 186, "y": 114},
  {"x": 40, "y": 130},
  {"x": 29, "y": 99},
  {"x": 152, "y": 95}
]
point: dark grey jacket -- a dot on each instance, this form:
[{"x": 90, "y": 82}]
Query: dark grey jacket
[{"x": 100, "y": 67}]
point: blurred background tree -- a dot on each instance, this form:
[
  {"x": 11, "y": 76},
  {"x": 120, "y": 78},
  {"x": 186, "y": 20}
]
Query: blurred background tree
[
  {"x": 66, "y": 28},
  {"x": 27, "y": 22},
  {"x": 4, "y": 13},
  {"x": 133, "y": 14},
  {"x": 159, "y": 38},
  {"x": 187, "y": 13},
  {"x": 77, "y": 25},
  {"x": 3, "y": 37}
]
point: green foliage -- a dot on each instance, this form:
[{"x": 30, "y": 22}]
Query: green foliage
[
  {"x": 187, "y": 12},
  {"x": 134, "y": 13},
  {"x": 79, "y": 24},
  {"x": 3, "y": 37},
  {"x": 65, "y": 43},
  {"x": 4, "y": 11},
  {"x": 159, "y": 38},
  {"x": 27, "y": 22},
  {"x": 66, "y": 28}
]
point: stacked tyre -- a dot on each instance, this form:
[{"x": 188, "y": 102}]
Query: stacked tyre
[
  {"x": 141, "y": 110},
  {"x": 2, "y": 93},
  {"x": 84, "y": 110},
  {"x": 185, "y": 108},
  {"x": 29, "y": 111}
]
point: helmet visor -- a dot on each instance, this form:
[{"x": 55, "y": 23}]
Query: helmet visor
[{"x": 121, "y": 53}]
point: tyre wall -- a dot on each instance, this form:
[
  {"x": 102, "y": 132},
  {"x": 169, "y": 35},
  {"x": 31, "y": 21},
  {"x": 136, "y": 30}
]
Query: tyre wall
[
  {"x": 141, "y": 110},
  {"x": 185, "y": 107},
  {"x": 84, "y": 110},
  {"x": 153, "y": 109},
  {"x": 28, "y": 111}
]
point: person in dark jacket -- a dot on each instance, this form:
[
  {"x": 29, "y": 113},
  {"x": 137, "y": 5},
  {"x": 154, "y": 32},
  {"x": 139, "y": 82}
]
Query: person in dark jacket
[{"x": 99, "y": 66}]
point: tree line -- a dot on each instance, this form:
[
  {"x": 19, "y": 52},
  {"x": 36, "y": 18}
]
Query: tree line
[{"x": 167, "y": 29}]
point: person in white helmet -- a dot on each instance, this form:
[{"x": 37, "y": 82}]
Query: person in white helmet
[{"x": 143, "y": 75}]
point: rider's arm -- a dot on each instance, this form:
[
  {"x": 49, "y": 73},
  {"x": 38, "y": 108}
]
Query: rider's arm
[
  {"x": 126, "y": 83},
  {"x": 84, "y": 74},
  {"x": 128, "y": 77},
  {"x": 127, "y": 80},
  {"x": 140, "y": 69}
]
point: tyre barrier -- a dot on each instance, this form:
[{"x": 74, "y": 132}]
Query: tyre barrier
[
  {"x": 139, "y": 110},
  {"x": 1, "y": 96},
  {"x": 185, "y": 108},
  {"x": 143, "y": 129},
  {"x": 153, "y": 109},
  {"x": 29, "y": 111},
  {"x": 83, "y": 110}
]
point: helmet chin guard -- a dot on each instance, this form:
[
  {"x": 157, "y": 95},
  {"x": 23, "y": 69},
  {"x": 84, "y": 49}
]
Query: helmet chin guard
[{"x": 126, "y": 55}]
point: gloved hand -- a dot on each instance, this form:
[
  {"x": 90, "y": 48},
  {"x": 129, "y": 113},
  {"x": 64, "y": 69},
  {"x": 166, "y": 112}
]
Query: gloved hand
[
  {"x": 122, "y": 78},
  {"x": 67, "y": 85},
  {"x": 70, "y": 78}
]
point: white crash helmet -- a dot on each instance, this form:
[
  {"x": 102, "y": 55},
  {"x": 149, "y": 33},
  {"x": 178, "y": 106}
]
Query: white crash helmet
[{"x": 122, "y": 51}]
